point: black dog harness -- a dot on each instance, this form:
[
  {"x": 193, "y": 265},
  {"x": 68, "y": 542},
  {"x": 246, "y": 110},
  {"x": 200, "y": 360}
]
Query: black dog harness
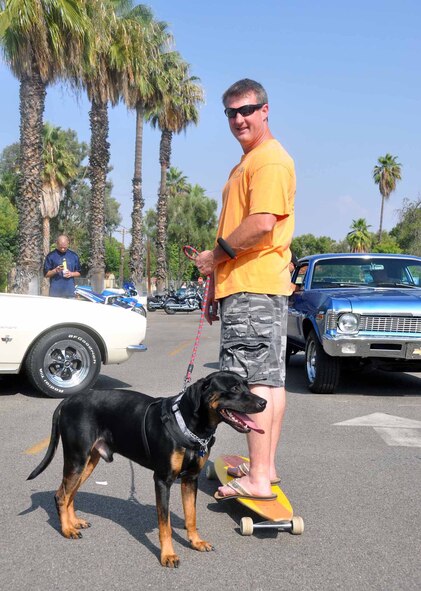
[{"x": 173, "y": 421}]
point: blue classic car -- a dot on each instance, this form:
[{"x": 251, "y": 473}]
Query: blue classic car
[{"x": 357, "y": 311}]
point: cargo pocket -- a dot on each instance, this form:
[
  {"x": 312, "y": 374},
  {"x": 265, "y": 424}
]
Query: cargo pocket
[{"x": 246, "y": 338}]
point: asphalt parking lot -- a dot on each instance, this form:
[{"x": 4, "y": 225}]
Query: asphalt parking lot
[{"x": 350, "y": 464}]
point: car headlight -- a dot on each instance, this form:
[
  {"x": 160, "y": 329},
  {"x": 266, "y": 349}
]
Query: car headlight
[{"x": 348, "y": 323}]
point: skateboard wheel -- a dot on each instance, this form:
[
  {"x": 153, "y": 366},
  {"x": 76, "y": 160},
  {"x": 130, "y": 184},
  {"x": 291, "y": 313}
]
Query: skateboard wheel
[
  {"x": 297, "y": 525},
  {"x": 210, "y": 471},
  {"x": 246, "y": 526}
]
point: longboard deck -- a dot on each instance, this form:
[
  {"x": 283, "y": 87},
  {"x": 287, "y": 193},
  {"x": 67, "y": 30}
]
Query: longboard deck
[{"x": 279, "y": 509}]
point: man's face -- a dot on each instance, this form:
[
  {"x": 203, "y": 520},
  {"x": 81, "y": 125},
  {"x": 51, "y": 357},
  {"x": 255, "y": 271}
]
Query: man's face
[
  {"x": 62, "y": 245},
  {"x": 249, "y": 130}
]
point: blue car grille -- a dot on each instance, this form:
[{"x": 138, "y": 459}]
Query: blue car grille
[{"x": 395, "y": 324}]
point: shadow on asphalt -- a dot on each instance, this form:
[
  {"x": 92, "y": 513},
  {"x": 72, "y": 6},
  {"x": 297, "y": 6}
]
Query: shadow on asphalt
[
  {"x": 369, "y": 383},
  {"x": 18, "y": 384},
  {"x": 136, "y": 518}
]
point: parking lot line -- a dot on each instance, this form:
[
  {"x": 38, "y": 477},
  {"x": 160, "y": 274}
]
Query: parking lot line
[
  {"x": 180, "y": 348},
  {"x": 35, "y": 449}
]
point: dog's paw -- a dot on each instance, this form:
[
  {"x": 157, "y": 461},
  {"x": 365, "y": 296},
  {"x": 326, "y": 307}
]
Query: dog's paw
[
  {"x": 202, "y": 546},
  {"x": 81, "y": 524},
  {"x": 71, "y": 533},
  {"x": 170, "y": 560}
]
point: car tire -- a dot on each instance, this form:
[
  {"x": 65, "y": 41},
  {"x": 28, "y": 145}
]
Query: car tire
[
  {"x": 63, "y": 362},
  {"x": 322, "y": 370},
  {"x": 167, "y": 309},
  {"x": 289, "y": 351}
]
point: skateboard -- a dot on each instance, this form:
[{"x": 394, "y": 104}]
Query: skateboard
[{"x": 278, "y": 514}]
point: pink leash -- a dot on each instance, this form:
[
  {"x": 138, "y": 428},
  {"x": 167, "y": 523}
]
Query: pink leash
[{"x": 192, "y": 253}]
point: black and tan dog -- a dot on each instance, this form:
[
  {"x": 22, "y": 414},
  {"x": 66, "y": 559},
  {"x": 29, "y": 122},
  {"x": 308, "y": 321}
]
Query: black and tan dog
[{"x": 171, "y": 436}]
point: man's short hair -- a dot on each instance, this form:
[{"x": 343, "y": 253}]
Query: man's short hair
[{"x": 243, "y": 87}]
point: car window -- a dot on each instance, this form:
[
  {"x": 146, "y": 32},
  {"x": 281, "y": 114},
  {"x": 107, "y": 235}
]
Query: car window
[
  {"x": 379, "y": 272},
  {"x": 413, "y": 272},
  {"x": 299, "y": 276}
]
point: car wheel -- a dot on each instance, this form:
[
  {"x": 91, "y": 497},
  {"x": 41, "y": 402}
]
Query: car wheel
[
  {"x": 322, "y": 370},
  {"x": 167, "y": 308},
  {"x": 63, "y": 362}
]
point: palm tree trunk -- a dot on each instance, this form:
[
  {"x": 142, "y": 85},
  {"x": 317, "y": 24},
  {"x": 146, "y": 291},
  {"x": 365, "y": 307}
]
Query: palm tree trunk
[
  {"x": 98, "y": 165},
  {"x": 137, "y": 247},
  {"x": 45, "y": 283},
  {"x": 162, "y": 210},
  {"x": 29, "y": 261},
  {"x": 381, "y": 219}
]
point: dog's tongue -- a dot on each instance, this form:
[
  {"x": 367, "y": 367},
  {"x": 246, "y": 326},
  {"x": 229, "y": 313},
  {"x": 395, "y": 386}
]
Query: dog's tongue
[{"x": 248, "y": 421}]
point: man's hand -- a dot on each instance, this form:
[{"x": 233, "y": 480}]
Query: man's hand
[{"x": 205, "y": 262}]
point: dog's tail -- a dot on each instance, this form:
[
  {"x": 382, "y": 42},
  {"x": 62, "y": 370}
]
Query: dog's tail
[{"x": 54, "y": 439}]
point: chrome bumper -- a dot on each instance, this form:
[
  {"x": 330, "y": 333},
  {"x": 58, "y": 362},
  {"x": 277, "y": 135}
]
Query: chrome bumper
[
  {"x": 369, "y": 347},
  {"x": 138, "y": 348}
]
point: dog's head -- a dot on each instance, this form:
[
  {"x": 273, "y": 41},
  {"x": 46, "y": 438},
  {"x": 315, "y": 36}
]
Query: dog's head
[{"x": 225, "y": 396}]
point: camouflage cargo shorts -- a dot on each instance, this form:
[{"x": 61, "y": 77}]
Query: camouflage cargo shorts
[{"x": 254, "y": 337}]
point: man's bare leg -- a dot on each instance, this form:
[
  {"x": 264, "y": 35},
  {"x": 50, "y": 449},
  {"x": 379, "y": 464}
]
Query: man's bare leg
[
  {"x": 262, "y": 446},
  {"x": 279, "y": 404}
]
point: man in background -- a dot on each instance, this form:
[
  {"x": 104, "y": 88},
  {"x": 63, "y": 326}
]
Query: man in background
[{"x": 61, "y": 266}]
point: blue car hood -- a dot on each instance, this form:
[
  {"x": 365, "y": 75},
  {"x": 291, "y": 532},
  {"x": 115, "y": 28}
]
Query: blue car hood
[{"x": 380, "y": 300}]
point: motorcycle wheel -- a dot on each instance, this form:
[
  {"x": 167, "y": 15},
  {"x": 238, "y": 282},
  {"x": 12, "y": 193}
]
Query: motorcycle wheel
[
  {"x": 149, "y": 307},
  {"x": 167, "y": 308}
]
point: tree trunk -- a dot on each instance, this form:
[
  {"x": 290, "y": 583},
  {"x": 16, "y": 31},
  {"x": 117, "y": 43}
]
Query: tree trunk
[
  {"x": 98, "y": 167},
  {"x": 29, "y": 261},
  {"x": 137, "y": 247},
  {"x": 45, "y": 283},
  {"x": 162, "y": 215},
  {"x": 381, "y": 219}
]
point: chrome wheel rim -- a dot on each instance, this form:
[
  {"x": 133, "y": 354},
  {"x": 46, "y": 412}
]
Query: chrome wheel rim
[
  {"x": 66, "y": 364},
  {"x": 311, "y": 361}
]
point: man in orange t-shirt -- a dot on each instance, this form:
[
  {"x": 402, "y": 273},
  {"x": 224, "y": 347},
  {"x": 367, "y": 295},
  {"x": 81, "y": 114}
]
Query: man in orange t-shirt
[{"x": 256, "y": 223}]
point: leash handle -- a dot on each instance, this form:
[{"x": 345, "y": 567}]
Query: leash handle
[{"x": 190, "y": 252}]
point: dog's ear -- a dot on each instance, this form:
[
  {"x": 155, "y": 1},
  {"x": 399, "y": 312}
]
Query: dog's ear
[{"x": 195, "y": 392}]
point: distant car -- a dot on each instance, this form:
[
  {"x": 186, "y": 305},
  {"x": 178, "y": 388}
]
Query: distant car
[
  {"x": 60, "y": 343},
  {"x": 357, "y": 311}
]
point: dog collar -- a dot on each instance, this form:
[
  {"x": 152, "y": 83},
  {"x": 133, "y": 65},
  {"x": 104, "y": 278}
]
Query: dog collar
[{"x": 186, "y": 437}]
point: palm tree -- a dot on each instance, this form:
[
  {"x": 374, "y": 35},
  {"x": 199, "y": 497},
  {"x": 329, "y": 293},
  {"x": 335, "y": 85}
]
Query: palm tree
[
  {"x": 176, "y": 182},
  {"x": 359, "y": 238},
  {"x": 41, "y": 43},
  {"x": 177, "y": 111},
  {"x": 143, "y": 86},
  {"x": 386, "y": 173},
  {"x": 60, "y": 168},
  {"x": 99, "y": 81}
]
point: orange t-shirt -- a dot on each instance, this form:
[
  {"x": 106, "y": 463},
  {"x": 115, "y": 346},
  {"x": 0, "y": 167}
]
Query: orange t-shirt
[{"x": 263, "y": 182}]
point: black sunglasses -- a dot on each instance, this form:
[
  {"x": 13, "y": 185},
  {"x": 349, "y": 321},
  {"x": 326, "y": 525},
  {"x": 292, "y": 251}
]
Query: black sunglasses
[{"x": 244, "y": 111}]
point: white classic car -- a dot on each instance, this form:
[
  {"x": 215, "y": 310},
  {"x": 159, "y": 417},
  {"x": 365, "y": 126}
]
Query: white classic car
[{"x": 60, "y": 343}]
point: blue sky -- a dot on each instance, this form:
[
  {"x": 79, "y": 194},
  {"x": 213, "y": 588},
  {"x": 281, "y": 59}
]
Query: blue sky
[{"x": 344, "y": 88}]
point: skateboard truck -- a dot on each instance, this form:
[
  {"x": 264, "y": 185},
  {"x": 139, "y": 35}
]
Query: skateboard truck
[{"x": 294, "y": 526}]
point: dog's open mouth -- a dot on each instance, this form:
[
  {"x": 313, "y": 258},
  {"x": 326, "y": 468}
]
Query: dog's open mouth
[{"x": 239, "y": 421}]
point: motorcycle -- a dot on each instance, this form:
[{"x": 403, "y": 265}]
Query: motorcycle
[
  {"x": 191, "y": 299},
  {"x": 157, "y": 301},
  {"x": 113, "y": 297}
]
